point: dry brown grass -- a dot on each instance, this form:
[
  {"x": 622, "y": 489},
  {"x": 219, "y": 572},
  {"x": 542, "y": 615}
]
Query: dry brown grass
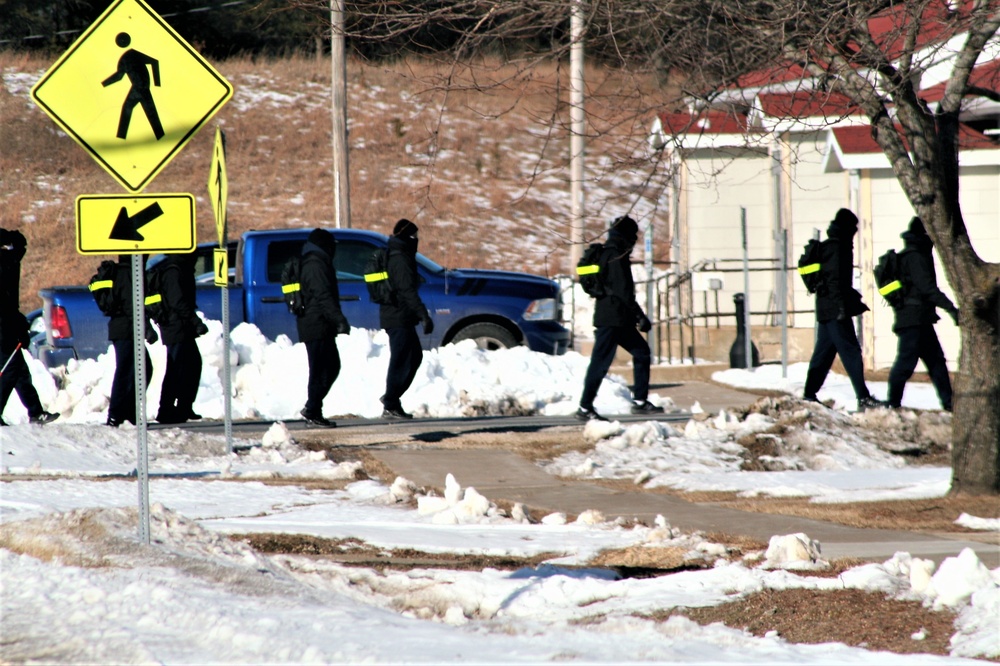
[
  {"x": 477, "y": 167},
  {"x": 852, "y": 617}
]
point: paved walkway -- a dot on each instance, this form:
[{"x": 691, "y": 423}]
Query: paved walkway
[
  {"x": 501, "y": 475},
  {"x": 507, "y": 476}
]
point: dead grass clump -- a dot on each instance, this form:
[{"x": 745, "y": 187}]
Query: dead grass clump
[
  {"x": 852, "y": 617},
  {"x": 355, "y": 552},
  {"x": 646, "y": 557},
  {"x": 40, "y": 539}
]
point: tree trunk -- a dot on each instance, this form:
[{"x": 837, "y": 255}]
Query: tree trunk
[{"x": 975, "y": 456}]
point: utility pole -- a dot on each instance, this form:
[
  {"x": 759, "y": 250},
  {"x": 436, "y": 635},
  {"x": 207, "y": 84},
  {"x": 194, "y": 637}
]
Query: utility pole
[
  {"x": 338, "y": 97},
  {"x": 577, "y": 129}
]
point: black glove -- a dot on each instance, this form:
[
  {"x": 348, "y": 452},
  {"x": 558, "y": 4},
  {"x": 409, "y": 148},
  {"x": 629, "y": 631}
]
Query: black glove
[
  {"x": 841, "y": 315},
  {"x": 954, "y": 316},
  {"x": 200, "y": 329},
  {"x": 151, "y": 336},
  {"x": 343, "y": 327},
  {"x": 428, "y": 324},
  {"x": 642, "y": 321}
]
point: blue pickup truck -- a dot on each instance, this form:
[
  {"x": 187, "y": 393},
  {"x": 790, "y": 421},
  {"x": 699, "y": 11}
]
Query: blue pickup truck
[{"x": 497, "y": 309}]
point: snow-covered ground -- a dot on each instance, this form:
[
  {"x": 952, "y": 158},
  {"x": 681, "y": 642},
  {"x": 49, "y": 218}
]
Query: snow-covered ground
[{"x": 78, "y": 586}]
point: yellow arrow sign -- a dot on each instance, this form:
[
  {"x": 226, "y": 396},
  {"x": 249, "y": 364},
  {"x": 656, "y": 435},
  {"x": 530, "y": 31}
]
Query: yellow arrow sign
[
  {"x": 135, "y": 224},
  {"x": 221, "y": 257},
  {"x": 132, "y": 92},
  {"x": 218, "y": 184}
]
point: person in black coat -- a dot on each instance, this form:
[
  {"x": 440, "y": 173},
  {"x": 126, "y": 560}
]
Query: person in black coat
[
  {"x": 14, "y": 331},
  {"x": 836, "y": 303},
  {"x": 179, "y": 327},
  {"x": 616, "y": 318},
  {"x": 121, "y": 404},
  {"x": 915, "y": 318},
  {"x": 400, "y": 317},
  {"x": 321, "y": 323}
]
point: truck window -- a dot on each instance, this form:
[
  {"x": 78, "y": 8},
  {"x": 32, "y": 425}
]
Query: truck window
[
  {"x": 278, "y": 254},
  {"x": 352, "y": 256},
  {"x": 350, "y": 260}
]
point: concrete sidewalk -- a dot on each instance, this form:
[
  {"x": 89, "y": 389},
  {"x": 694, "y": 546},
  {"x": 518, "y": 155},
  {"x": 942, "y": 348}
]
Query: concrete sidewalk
[{"x": 501, "y": 475}]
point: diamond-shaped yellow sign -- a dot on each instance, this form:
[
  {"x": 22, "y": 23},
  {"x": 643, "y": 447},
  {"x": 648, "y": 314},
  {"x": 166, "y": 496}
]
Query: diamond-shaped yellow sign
[
  {"x": 218, "y": 184},
  {"x": 132, "y": 92},
  {"x": 135, "y": 224}
]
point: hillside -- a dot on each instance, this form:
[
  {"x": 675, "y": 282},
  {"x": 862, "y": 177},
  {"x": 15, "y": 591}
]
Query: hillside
[{"x": 482, "y": 169}]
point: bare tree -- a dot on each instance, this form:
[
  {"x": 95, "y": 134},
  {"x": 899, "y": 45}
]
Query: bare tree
[{"x": 871, "y": 51}]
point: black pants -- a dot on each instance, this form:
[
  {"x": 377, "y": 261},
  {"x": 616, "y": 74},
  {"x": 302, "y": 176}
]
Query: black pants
[
  {"x": 181, "y": 379},
  {"x": 405, "y": 355},
  {"x": 17, "y": 377},
  {"x": 607, "y": 339},
  {"x": 836, "y": 337},
  {"x": 324, "y": 367},
  {"x": 121, "y": 406},
  {"x": 919, "y": 343}
]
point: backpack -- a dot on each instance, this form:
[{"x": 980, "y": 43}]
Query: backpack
[
  {"x": 156, "y": 307},
  {"x": 809, "y": 266},
  {"x": 291, "y": 288},
  {"x": 889, "y": 279},
  {"x": 102, "y": 288},
  {"x": 590, "y": 270},
  {"x": 377, "y": 278}
]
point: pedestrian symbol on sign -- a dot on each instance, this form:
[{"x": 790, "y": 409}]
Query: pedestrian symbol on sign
[{"x": 133, "y": 64}]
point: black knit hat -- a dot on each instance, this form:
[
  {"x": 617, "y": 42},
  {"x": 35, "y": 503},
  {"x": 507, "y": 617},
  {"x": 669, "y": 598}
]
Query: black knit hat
[
  {"x": 404, "y": 228},
  {"x": 917, "y": 227},
  {"x": 845, "y": 219},
  {"x": 324, "y": 240},
  {"x": 626, "y": 227}
]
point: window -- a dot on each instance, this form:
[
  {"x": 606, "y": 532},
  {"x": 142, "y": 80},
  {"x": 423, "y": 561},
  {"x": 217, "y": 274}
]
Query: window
[
  {"x": 350, "y": 259},
  {"x": 278, "y": 254}
]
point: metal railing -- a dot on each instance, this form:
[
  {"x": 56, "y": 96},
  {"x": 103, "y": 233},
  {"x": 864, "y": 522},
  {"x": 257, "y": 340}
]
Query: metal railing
[{"x": 677, "y": 312}]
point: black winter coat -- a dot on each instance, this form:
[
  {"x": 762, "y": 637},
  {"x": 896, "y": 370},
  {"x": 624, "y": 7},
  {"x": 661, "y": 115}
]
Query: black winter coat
[
  {"x": 406, "y": 308},
  {"x": 179, "y": 298},
  {"x": 13, "y": 329},
  {"x": 120, "y": 323},
  {"x": 13, "y": 324},
  {"x": 323, "y": 317},
  {"x": 837, "y": 295},
  {"x": 618, "y": 306},
  {"x": 921, "y": 294}
]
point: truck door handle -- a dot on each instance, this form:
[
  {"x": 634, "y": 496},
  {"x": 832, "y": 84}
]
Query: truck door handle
[{"x": 350, "y": 297}]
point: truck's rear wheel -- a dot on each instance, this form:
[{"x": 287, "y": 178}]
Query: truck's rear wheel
[{"x": 487, "y": 336}]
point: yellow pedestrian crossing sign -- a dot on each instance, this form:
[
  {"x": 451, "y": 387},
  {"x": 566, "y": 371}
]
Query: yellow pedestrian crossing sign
[
  {"x": 132, "y": 92},
  {"x": 135, "y": 223}
]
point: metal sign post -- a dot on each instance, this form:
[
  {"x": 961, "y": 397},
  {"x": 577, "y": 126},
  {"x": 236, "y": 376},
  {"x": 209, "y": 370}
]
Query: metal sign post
[
  {"x": 218, "y": 190},
  {"x": 650, "y": 295},
  {"x": 748, "y": 344},
  {"x": 139, "y": 354}
]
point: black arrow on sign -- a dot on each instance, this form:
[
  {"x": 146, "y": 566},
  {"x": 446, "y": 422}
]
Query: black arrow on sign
[{"x": 127, "y": 228}]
